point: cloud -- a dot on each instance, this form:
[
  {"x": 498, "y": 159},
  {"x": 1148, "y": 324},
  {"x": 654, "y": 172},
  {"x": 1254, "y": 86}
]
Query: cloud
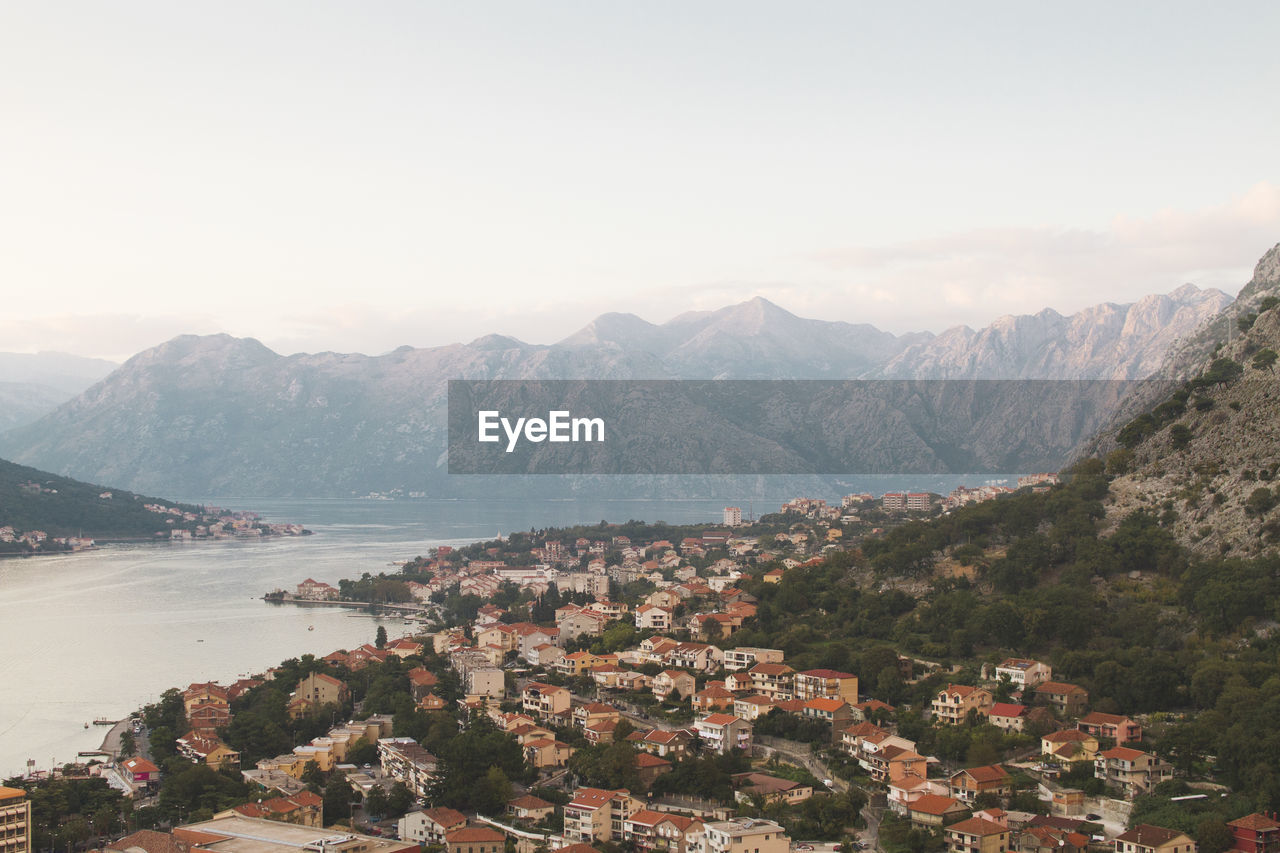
[{"x": 975, "y": 276}]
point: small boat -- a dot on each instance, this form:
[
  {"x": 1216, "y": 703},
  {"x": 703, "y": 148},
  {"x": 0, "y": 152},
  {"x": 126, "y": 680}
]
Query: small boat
[
  {"x": 86, "y": 725},
  {"x": 311, "y": 627},
  {"x": 102, "y": 722}
]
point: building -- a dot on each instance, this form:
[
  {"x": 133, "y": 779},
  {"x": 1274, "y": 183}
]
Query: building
[
  {"x": 1146, "y": 838},
  {"x": 826, "y": 684},
  {"x": 316, "y": 691},
  {"x": 475, "y": 839},
  {"x": 771, "y": 789},
  {"x": 654, "y": 830},
  {"x": 977, "y": 835},
  {"x": 595, "y": 814},
  {"x": 430, "y": 826},
  {"x": 1255, "y": 833},
  {"x": 919, "y": 501},
  {"x": 953, "y": 704},
  {"x": 933, "y": 811},
  {"x": 15, "y": 821},
  {"x": 1069, "y": 700},
  {"x": 775, "y": 680},
  {"x": 1115, "y": 727},
  {"x": 303, "y": 808},
  {"x": 744, "y": 835},
  {"x": 1069, "y": 746},
  {"x": 546, "y": 700},
  {"x": 1023, "y": 673},
  {"x": 732, "y": 516},
  {"x": 894, "y": 502},
  {"x": 1133, "y": 771},
  {"x": 1008, "y": 716},
  {"x": 745, "y": 657},
  {"x": 403, "y": 759},
  {"x": 238, "y": 834},
  {"x": 530, "y": 808},
  {"x": 967, "y": 785},
  {"x": 723, "y": 732},
  {"x": 834, "y": 712}
]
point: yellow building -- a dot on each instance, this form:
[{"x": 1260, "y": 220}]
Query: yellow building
[
  {"x": 977, "y": 835},
  {"x": 15, "y": 821}
]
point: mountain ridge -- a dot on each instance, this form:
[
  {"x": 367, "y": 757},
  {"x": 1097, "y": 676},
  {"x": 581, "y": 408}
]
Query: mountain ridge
[{"x": 218, "y": 414}]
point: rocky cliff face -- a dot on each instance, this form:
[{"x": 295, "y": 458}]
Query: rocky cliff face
[
  {"x": 219, "y": 415},
  {"x": 1211, "y": 467}
]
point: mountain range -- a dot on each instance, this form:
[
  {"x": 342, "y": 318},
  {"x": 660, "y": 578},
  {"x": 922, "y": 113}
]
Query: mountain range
[
  {"x": 210, "y": 415},
  {"x": 33, "y": 384}
]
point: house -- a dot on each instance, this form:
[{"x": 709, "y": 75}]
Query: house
[
  {"x": 672, "y": 744},
  {"x": 775, "y": 680},
  {"x": 1114, "y": 727},
  {"x": 316, "y": 691},
  {"x": 673, "y": 681},
  {"x": 545, "y": 700},
  {"x": 1069, "y": 700},
  {"x": 207, "y": 750},
  {"x": 1047, "y": 839},
  {"x": 1133, "y": 771},
  {"x": 1146, "y": 838},
  {"x": 430, "y": 826},
  {"x": 723, "y": 732},
  {"x": 634, "y": 681},
  {"x": 834, "y": 712},
  {"x": 744, "y": 835},
  {"x": 580, "y": 663},
  {"x": 953, "y": 704},
  {"x": 475, "y": 839},
  {"x": 826, "y": 684},
  {"x": 738, "y": 682},
  {"x": 745, "y": 657},
  {"x": 871, "y": 709},
  {"x": 1008, "y": 716},
  {"x": 650, "y": 767},
  {"x": 713, "y": 698},
  {"x": 1255, "y": 833},
  {"x": 140, "y": 772},
  {"x": 932, "y": 811},
  {"x": 600, "y": 732},
  {"x": 699, "y": 657},
  {"x": 752, "y": 707},
  {"x": 1023, "y": 673},
  {"x": 546, "y": 752},
  {"x": 653, "y": 617},
  {"x": 967, "y": 785},
  {"x": 905, "y": 791},
  {"x": 653, "y": 830},
  {"x": 421, "y": 682},
  {"x": 1069, "y": 746},
  {"x": 595, "y": 814},
  {"x": 977, "y": 835},
  {"x": 301, "y": 809},
  {"x": 771, "y": 789},
  {"x": 530, "y": 808}
]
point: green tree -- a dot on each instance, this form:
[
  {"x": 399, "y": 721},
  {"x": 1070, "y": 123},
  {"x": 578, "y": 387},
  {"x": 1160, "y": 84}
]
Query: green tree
[
  {"x": 337, "y": 797},
  {"x": 375, "y": 803},
  {"x": 381, "y": 637}
]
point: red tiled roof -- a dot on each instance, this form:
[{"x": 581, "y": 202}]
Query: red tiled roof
[
  {"x": 978, "y": 826},
  {"x": 934, "y": 804},
  {"x": 476, "y": 834}
]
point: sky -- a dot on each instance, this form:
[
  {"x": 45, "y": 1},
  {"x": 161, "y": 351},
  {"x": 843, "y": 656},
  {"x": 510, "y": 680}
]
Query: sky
[{"x": 356, "y": 177}]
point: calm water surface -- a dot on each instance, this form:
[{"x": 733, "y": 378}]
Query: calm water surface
[{"x": 100, "y": 633}]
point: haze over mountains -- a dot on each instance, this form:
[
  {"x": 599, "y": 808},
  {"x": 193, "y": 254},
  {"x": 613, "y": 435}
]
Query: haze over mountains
[
  {"x": 34, "y": 384},
  {"x": 217, "y": 415}
]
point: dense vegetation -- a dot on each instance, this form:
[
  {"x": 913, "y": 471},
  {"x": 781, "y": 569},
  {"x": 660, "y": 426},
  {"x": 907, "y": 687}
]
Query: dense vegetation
[{"x": 31, "y": 499}]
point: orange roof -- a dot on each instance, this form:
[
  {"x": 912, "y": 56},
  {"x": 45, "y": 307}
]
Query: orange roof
[
  {"x": 978, "y": 826},
  {"x": 718, "y": 719},
  {"x": 1255, "y": 821},
  {"x": 446, "y": 817},
  {"x": 1059, "y": 687},
  {"x": 990, "y": 773},
  {"x": 645, "y": 759},
  {"x": 831, "y": 705},
  {"x": 934, "y": 804},
  {"x": 476, "y": 834},
  {"x": 1123, "y": 753},
  {"x": 528, "y": 801}
]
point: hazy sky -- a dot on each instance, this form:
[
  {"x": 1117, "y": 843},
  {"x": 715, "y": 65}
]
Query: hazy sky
[{"x": 357, "y": 176}]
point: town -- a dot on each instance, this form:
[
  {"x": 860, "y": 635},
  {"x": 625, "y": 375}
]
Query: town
[{"x": 606, "y": 692}]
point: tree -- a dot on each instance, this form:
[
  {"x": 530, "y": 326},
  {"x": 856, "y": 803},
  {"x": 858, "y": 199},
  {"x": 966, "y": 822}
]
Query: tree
[
  {"x": 337, "y": 797},
  {"x": 400, "y": 800},
  {"x": 1264, "y": 359},
  {"x": 381, "y": 637},
  {"x": 375, "y": 803}
]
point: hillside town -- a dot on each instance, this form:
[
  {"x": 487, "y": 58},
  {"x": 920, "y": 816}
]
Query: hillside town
[{"x": 600, "y": 685}]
